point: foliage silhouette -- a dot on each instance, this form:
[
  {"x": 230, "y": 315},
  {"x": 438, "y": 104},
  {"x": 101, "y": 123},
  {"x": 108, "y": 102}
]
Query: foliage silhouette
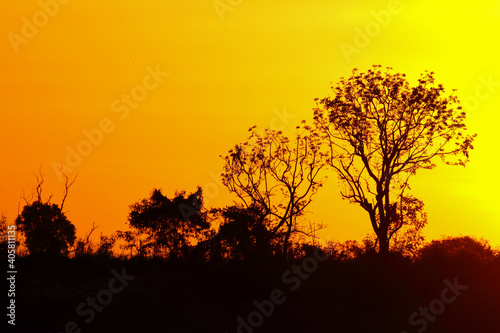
[
  {"x": 464, "y": 249},
  {"x": 46, "y": 228},
  {"x": 105, "y": 246},
  {"x": 84, "y": 246},
  {"x": 4, "y": 237},
  {"x": 378, "y": 131},
  {"x": 244, "y": 234},
  {"x": 137, "y": 243},
  {"x": 171, "y": 225}
]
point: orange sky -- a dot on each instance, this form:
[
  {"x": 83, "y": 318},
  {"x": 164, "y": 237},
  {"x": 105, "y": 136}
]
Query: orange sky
[{"x": 244, "y": 63}]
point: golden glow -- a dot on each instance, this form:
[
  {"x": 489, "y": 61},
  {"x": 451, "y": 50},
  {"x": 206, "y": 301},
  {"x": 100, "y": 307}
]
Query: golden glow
[{"x": 263, "y": 61}]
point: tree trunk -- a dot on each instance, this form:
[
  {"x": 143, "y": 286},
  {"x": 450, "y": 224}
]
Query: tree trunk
[
  {"x": 383, "y": 245},
  {"x": 287, "y": 237},
  {"x": 285, "y": 244}
]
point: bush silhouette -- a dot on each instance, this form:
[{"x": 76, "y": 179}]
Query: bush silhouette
[{"x": 46, "y": 228}]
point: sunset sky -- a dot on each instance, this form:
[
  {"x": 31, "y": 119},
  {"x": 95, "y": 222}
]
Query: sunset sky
[{"x": 201, "y": 73}]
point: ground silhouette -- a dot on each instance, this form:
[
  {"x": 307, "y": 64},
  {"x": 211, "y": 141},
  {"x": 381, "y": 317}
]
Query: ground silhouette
[{"x": 359, "y": 294}]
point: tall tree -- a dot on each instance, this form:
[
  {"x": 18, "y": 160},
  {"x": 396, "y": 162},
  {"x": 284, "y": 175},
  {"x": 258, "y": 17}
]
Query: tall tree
[
  {"x": 277, "y": 176},
  {"x": 379, "y": 131}
]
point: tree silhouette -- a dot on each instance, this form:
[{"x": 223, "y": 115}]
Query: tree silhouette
[
  {"x": 244, "y": 233},
  {"x": 105, "y": 246},
  {"x": 45, "y": 226},
  {"x": 137, "y": 243},
  {"x": 4, "y": 236},
  {"x": 379, "y": 131},
  {"x": 170, "y": 225},
  {"x": 464, "y": 250},
  {"x": 84, "y": 246},
  {"x": 277, "y": 176},
  {"x": 406, "y": 232}
]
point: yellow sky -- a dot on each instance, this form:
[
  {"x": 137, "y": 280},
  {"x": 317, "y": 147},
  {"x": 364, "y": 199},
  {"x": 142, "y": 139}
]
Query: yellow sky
[{"x": 230, "y": 64}]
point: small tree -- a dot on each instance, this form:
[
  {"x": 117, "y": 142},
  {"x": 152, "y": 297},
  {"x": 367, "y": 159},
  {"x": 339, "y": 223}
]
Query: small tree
[
  {"x": 277, "y": 176},
  {"x": 171, "y": 225},
  {"x": 243, "y": 234},
  {"x": 379, "y": 131},
  {"x": 45, "y": 226},
  {"x": 136, "y": 243},
  {"x": 105, "y": 246},
  {"x": 84, "y": 246}
]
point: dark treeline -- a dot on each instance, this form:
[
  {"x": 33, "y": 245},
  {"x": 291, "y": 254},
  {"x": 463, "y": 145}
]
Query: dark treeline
[{"x": 340, "y": 288}]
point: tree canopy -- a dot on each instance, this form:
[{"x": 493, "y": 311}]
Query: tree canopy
[
  {"x": 378, "y": 131},
  {"x": 170, "y": 224},
  {"x": 46, "y": 228}
]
